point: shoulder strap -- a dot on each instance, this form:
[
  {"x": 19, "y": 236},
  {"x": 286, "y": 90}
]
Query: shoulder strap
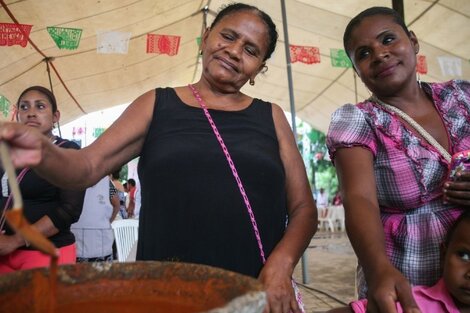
[
  {"x": 234, "y": 170},
  {"x": 198, "y": 97}
]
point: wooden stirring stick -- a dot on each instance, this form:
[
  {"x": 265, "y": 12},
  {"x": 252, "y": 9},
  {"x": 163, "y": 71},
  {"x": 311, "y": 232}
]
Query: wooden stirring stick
[{"x": 15, "y": 217}]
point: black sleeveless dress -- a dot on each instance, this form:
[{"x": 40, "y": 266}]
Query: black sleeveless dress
[{"x": 192, "y": 210}]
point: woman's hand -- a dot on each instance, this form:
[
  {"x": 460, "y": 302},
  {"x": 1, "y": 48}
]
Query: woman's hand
[
  {"x": 26, "y": 144},
  {"x": 457, "y": 191},
  {"x": 279, "y": 290},
  {"x": 387, "y": 288}
]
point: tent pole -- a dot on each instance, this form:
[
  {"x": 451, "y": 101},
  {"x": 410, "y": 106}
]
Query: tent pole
[
  {"x": 289, "y": 67},
  {"x": 47, "y": 60},
  {"x": 398, "y": 6},
  {"x": 304, "y": 261}
]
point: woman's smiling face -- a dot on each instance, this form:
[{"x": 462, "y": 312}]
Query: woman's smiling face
[{"x": 383, "y": 54}]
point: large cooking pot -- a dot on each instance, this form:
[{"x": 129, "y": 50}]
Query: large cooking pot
[{"x": 132, "y": 287}]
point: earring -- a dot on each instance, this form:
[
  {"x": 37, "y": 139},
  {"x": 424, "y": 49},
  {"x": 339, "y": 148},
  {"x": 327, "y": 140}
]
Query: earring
[
  {"x": 252, "y": 82},
  {"x": 419, "y": 81}
]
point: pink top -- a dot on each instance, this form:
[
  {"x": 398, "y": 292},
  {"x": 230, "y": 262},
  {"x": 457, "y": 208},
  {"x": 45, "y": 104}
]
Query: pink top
[{"x": 429, "y": 299}]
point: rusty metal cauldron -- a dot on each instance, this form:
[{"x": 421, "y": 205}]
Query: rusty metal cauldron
[{"x": 132, "y": 287}]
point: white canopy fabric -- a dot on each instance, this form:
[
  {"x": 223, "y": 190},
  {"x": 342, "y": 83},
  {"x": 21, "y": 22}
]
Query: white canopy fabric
[{"x": 98, "y": 81}]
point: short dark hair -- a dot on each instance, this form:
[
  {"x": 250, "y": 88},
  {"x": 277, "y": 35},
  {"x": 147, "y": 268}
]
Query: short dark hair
[
  {"x": 50, "y": 96},
  {"x": 116, "y": 174},
  {"x": 131, "y": 182},
  {"x": 236, "y": 7},
  {"x": 463, "y": 217},
  {"x": 355, "y": 21}
]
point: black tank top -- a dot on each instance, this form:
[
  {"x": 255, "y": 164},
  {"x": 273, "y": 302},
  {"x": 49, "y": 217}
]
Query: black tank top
[
  {"x": 40, "y": 198},
  {"x": 192, "y": 210}
]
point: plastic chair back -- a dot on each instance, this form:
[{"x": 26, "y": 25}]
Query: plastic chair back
[{"x": 126, "y": 233}]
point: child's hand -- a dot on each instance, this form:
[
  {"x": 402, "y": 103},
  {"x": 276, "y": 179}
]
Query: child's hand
[{"x": 457, "y": 191}]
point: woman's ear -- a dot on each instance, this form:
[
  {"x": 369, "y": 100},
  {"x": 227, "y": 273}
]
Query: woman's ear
[
  {"x": 414, "y": 42},
  {"x": 56, "y": 116}
]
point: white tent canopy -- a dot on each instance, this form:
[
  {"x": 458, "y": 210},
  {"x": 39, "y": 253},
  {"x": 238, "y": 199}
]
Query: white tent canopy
[{"x": 98, "y": 81}]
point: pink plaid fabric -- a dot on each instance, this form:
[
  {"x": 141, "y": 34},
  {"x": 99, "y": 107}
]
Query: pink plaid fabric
[{"x": 409, "y": 175}]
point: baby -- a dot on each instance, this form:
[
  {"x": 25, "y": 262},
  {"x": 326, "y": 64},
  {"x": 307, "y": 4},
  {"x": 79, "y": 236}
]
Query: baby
[{"x": 451, "y": 294}]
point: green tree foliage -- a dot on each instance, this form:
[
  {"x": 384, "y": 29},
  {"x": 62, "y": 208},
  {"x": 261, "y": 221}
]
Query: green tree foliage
[
  {"x": 320, "y": 170},
  {"x": 123, "y": 173}
]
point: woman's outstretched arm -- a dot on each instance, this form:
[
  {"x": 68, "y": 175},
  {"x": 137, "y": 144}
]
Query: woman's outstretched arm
[{"x": 79, "y": 169}]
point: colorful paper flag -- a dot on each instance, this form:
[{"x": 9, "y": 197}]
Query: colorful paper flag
[
  {"x": 65, "y": 38},
  {"x": 78, "y": 131},
  {"x": 14, "y": 34},
  {"x": 339, "y": 58},
  {"x": 421, "y": 64},
  {"x": 304, "y": 54},
  {"x": 163, "y": 44},
  {"x": 450, "y": 66},
  {"x": 98, "y": 131},
  {"x": 109, "y": 42},
  {"x": 4, "y": 106}
]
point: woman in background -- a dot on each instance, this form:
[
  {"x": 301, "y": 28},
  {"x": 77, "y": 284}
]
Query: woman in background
[
  {"x": 121, "y": 193},
  {"x": 49, "y": 208}
]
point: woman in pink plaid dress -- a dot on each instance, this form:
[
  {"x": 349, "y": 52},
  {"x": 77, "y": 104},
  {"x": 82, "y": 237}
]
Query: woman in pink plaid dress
[{"x": 393, "y": 181}]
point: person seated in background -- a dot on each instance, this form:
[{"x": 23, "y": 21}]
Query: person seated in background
[
  {"x": 337, "y": 199},
  {"x": 131, "y": 193},
  {"x": 322, "y": 203},
  {"x": 322, "y": 198},
  {"x": 451, "y": 294},
  {"x": 49, "y": 208},
  {"x": 93, "y": 231}
]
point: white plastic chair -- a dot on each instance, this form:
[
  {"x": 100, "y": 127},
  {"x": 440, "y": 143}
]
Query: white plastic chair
[
  {"x": 338, "y": 216},
  {"x": 126, "y": 233},
  {"x": 325, "y": 219}
]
